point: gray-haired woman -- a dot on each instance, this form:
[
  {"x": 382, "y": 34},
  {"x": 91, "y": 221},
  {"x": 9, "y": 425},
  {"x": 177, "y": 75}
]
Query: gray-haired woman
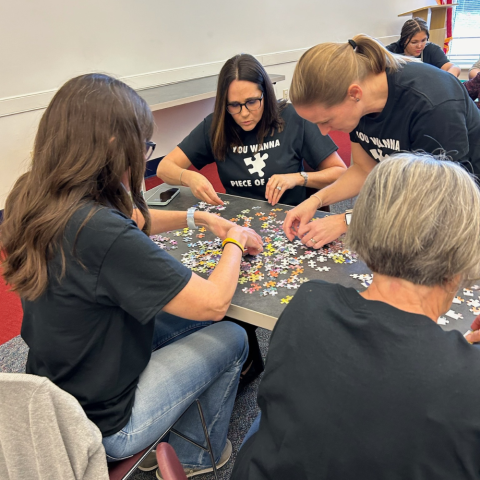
[{"x": 377, "y": 390}]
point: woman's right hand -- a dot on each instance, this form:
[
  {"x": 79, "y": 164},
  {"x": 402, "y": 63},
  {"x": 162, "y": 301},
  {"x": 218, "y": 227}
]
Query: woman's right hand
[
  {"x": 201, "y": 187},
  {"x": 297, "y": 218},
  {"x": 250, "y": 239}
]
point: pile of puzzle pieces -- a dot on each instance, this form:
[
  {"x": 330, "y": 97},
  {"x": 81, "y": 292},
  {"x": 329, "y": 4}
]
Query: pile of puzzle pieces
[{"x": 278, "y": 268}]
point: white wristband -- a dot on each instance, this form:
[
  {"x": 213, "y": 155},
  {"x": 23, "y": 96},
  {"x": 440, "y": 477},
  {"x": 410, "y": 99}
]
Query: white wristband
[{"x": 190, "y": 219}]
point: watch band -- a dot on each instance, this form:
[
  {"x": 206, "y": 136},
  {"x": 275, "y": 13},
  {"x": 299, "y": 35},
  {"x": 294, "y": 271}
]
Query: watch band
[
  {"x": 191, "y": 219},
  {"x": 305, "y": 178},
  {"x": 348, "y": 217}
]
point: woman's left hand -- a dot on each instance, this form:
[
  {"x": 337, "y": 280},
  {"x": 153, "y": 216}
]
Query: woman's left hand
[{"x": 278, "y": 184}]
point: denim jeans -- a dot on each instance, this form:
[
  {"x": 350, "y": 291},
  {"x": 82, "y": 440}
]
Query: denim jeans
[{"x": 190, "y": 360}]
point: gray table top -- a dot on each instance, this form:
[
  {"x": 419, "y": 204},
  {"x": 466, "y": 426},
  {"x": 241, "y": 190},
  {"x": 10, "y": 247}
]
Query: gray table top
[
  {"x": 261, "y": 310},
  {"x": 166, "y": 96}
]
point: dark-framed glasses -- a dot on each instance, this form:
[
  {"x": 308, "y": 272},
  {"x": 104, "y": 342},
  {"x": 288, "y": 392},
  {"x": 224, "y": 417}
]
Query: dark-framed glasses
[
  {"x": 149, "y": 148},
  {"x": 251, "y": 105}
]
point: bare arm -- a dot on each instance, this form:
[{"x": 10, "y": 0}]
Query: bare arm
[
  {"x": 174, "y": 167},
  {"x": 208, "y": 299},
  {"x": 451, "y": 68},
  {"x": 328, "y": 171},
  {"x": 473, "y": 73}
]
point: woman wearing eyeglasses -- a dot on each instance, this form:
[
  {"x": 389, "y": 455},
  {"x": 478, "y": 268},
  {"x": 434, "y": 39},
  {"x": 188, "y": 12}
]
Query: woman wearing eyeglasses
[{"x": 257, "y": 142}]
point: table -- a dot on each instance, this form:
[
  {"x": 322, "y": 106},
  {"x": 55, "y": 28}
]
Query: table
[{"x": 264, "y": 311}]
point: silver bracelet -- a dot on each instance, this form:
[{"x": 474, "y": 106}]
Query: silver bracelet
[
  {"x": 190, "y": 219},
  {"x": 181, "y": 173}
]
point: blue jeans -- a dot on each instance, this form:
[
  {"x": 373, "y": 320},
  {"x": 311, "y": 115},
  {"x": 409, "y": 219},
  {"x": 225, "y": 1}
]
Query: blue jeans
[{"x": 190, "y": 360}]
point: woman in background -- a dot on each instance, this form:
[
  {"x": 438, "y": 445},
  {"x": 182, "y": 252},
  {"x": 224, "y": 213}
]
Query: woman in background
[
  {"x": 414, "y": 43},
  {"x": 257, "y": 142},
  {"x": 108, "y": 316}
]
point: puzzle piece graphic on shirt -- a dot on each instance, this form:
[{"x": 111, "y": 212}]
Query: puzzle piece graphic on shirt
[{"x": 257, "y": 165}]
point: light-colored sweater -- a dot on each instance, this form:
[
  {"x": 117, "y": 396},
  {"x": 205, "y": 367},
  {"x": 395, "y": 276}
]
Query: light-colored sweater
[{"x": 45, "y": 434}]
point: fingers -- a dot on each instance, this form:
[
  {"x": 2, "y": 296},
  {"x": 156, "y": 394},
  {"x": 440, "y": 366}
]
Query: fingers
[
  {"x": 276, "y": 187},
  {"x": 476, "y": 323},
  {"x": 473, "y": 337}
]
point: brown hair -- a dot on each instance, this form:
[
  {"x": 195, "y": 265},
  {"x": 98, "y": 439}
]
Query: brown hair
[
  {"x": 92, "y": 132},
  {"x": 224, "y": 131},
  {"x": 410, "y": 29},
  {"x": 325, "y": 72}
]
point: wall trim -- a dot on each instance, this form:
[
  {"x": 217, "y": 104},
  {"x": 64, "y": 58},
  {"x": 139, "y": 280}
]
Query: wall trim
[{"x": 39, "y": 100}]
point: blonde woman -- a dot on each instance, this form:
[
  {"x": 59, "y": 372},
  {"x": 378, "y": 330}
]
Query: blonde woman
[{"x": 388, "y": 105}]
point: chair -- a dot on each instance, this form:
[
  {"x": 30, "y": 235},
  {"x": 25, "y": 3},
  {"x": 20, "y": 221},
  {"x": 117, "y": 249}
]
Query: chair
[
  {"x": 37, "y": 418},
  {"x": 168, "y": 463},
  {"x": 123, "y": 469},
  {"x": 44, "y": 432}
]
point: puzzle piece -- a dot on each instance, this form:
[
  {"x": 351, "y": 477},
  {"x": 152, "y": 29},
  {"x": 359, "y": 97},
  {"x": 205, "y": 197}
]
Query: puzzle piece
[{"x": 258, "y": 164}]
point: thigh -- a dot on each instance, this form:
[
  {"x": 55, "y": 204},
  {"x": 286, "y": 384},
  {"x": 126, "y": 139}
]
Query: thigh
[
  {"x": 176, "y": 375},
  {"x": 170, "y": 328}
]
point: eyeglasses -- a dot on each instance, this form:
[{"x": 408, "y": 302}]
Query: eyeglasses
[
  {"x": 149, "y": 148},
  {"x": 251, "y": 105}
]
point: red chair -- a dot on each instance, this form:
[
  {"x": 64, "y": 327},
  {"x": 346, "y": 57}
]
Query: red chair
[
  {"x": 168, "y": 463},
  {"x": 123, "y": 469}
]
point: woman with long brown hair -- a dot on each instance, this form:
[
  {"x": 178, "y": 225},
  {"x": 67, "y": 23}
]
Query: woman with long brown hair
[
  {"x": 108, "y": 316},
  {"x": 257, "y": 143},
  {"x": 388, "y": 105}
]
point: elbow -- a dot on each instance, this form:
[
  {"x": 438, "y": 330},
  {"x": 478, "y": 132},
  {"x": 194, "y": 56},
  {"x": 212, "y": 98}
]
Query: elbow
[{"x": 219, "y": 311}]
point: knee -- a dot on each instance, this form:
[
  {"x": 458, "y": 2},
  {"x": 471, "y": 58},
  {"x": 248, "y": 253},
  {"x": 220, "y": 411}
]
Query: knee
[{"x": 234, "y": 338}]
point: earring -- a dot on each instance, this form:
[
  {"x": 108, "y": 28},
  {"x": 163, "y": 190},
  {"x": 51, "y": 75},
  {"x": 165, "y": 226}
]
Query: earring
[{"x": 357, "y": 99}]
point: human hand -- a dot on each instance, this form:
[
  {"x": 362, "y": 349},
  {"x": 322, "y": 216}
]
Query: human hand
[
  {"x": 323, "y": 230},
  {"x": 217, "y": 225},
  {"x": 201, "y": 188},
  {"x": 299, "y": 216},
  {"x": 249, "y": 238},
  {"x": 474, "y": 336},
  {"x": 278, "y": 184}
]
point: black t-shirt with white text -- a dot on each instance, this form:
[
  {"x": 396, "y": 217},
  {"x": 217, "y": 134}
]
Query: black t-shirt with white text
[
  {"x": 248, "y": 167},
  {"x": 359, "y": 390},
  {"x": 91, "y": 331},
  {"x": 432, "y": 54},
  {"x": 427, "y": 109}
]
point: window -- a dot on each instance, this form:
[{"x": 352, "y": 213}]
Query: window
[{"x": 465, "y": 45}]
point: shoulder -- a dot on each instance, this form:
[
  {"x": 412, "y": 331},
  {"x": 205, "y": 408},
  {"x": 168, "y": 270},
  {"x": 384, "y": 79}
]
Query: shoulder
[
  {"x": 288, "y": 112},
  {"x": 433, "y": 48},
  {"x": 395, "y": 47},
  {"x": 424, "y": 82}
]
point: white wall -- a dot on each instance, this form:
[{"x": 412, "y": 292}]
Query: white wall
[{"x": 151, "y": 42}]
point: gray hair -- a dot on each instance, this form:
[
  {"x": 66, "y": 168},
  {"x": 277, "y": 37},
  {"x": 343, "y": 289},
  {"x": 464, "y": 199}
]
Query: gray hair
[{"x": 418, "y": 218}]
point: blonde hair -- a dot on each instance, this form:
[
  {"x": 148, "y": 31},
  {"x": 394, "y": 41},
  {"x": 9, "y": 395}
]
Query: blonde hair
[
  {"x": 418, "y": 218},
  {"x": 325, "y": 72}
]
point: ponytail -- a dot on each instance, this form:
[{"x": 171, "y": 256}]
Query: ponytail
[{"x": 325, "y": 72}]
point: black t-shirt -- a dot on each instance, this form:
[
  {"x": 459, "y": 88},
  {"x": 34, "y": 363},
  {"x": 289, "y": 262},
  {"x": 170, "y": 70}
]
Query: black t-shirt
[
  {"x": 357, "y": 389},
  {"x": 432, "y": 54},
  {"x": 248, "y": 167},
  {"x": 91, "y": 332},
  {"x": 427, "y": 109}
]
